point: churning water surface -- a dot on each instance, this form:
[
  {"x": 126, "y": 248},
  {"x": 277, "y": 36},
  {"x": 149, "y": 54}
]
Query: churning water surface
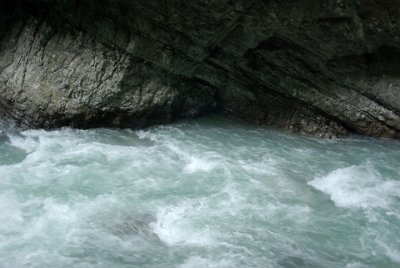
[{"x": 203, "y": 193}]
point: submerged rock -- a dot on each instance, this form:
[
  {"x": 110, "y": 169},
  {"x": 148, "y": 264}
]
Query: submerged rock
[
  {"x": 316, "y": 67},
  {"x": 128, "y": 226},
  {"x": 291, "y": 262},
  {"x": 3, "y": 136}
]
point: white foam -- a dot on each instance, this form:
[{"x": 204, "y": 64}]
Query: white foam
[
  {"x": 265, "y": 167},
  {"x": 28, "y": 144},
  {"x": 357, "y": 187},
  {"x": 77, "y": 194},
  {"x": 53, "y": 222},
  {"x": 197, "y": 164},
  {"x": 195, "y": 159},
  {"x": 10, "y": 216},
  {"x": 174, "y": 225}
]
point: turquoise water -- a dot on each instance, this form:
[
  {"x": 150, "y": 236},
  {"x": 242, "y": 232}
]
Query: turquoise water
[{"x": 203, "y": 193}]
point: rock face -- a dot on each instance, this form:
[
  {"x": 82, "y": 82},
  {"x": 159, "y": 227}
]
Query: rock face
[{"x": 316, "y": 67}]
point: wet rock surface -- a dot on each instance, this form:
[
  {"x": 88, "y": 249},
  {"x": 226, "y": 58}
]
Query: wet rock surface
[{"x": 319, "y": 68}]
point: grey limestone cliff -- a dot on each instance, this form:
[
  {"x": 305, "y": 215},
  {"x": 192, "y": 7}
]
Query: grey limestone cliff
[{"x": 316, "y": 67}]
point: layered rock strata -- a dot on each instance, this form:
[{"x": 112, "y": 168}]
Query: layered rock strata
[{"x": 316, "y": 67}]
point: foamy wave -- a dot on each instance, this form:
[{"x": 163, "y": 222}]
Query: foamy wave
[
  {"x": 358, "y": 187},
  {"x": 28, "y": 144},
  {"x": 11, "y": 218},
  {"x": 197, "y": 164},
  {"x": 175, "y": 226}
]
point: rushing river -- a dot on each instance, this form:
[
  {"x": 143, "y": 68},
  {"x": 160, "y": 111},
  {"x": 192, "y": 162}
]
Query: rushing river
[{"x": 203, "y": 193}]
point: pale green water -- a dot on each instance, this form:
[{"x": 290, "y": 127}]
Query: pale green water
[{"x": 203, "y": 193}]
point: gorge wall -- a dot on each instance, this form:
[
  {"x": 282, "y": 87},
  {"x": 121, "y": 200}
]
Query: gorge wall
[{"x": 316, "y": 67}]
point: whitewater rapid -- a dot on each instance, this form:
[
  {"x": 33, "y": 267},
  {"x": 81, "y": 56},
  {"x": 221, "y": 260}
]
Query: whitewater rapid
[{"x": 201, "y": 193}]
